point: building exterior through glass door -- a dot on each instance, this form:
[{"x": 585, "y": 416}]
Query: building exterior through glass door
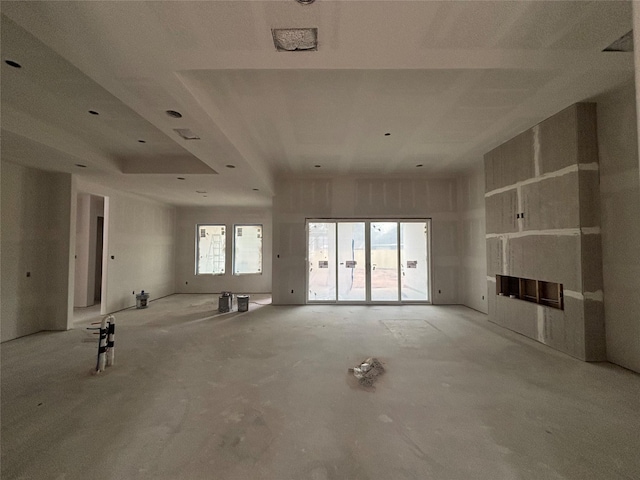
[{"x": 368, "y": 261}]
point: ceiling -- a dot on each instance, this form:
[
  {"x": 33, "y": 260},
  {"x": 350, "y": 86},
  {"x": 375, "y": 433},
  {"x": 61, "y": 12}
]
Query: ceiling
[{"x": 448, "y": 81}]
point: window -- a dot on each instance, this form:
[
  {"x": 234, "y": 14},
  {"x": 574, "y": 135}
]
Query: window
[
  {"x": 247, "y": 255},
  {"x": 210, "y": 249}
]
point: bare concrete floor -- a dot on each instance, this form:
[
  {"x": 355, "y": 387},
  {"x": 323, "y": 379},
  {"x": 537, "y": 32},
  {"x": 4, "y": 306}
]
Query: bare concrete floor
[{"x": 266, "y": 395}]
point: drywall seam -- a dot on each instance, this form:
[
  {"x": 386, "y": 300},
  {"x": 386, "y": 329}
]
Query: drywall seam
[
  {"x": 546, "y": 176},
  {"x": 597, "y": 296},
  {"x": 589, "y": 166},
  {"x": 536, "y": 150},
  {"x": 540, "y": 326},
  {"x": 556, "y": 232},
  {"x": 520, "y": 209},
  {"x": 528, "y": 233},
  {"x": 505, "y": 256}
]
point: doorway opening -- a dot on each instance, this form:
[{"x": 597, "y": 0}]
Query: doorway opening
[
  {"x": 368, "y": 261},
  {"x": 89, "y": 256}
]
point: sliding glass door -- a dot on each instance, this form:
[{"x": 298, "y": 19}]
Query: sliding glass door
[{"x": 368, "y": 261}]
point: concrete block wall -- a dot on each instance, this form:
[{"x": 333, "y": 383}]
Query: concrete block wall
[
  {"x": 343, "y": 197},
  {"x": 549, "y": 174}
]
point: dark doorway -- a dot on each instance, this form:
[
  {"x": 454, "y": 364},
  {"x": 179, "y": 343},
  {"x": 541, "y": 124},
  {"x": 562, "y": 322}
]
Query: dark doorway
[{"x": 99, "y": 242}]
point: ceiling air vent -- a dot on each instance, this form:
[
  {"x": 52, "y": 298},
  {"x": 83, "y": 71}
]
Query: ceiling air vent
[
  {"x": 186, "y": 134},
  {"x": 623, "y": 44},
  {"x": 295, "y": 39}
]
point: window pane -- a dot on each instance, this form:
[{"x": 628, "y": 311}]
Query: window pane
[
  {"x": 247, "y": 249},
  {"x": 322, "y": 261},
  {"x": 211, "y": 246},
  {"x": 414, "y": 260},
  {"x": 384, "y": 261},
  {"x": 351, "y": 262}
]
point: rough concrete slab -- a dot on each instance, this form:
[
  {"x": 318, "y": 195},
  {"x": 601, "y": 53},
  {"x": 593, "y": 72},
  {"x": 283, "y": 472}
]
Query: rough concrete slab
[
  {"x": 516, "y": 315},
  {"x": 510, "y": 163},
  {"x": 559, "y": 140},
  {"x": 567, "y": 328},
  {"x": 589, "y": 197},
  {"x": 587, "y": 133},
  {"x": 574, "y": 328},
  {"x": 552, "y": 203},
  {"x": 594, "y": 331},
  {"x": 267, "y": 395},
  {"x": 552, "y": 258},
  {"x": 501, "y": 212},
  {"x": 494, "y": 256},
  {"x": 591, "y": 252}
]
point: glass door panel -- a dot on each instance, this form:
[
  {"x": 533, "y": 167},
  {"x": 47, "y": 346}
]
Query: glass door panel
[
  {"x": 322, "y": 261},
  {"x": 414, "y": 265},
  {"x": 384, "y": 261},
  {"x": 351, "y": 262}
]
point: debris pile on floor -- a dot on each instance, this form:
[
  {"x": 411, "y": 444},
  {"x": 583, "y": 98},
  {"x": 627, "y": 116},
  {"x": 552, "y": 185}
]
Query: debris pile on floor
[{"x": 368, "y": 371}]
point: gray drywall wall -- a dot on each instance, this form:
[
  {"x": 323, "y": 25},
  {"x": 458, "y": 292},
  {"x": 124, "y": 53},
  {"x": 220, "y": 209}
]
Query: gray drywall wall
[
  {"x": 620, "y": 207},
  {"x": 546, "y": 227},
  {"x": 472, "y": 282},
  {"x": 188, "y": 282},
  {"x": 349, "y": 197},
  {"x": 139, "y": 249},
  {"x": 36, "y": 238}
]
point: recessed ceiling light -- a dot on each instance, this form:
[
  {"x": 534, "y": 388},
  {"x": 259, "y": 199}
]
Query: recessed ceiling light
[
  {"x": 186, "y": 134},
  {"x": 13, "y": 64},
  {"x": 230, "y": 166},
  {"x": 305, "y": 2},
  {"x": 419, "y": 165},
  {"x": 295, "y": 39},
  {"x": 142, "y": 141},
  {"x": 80, "y": 165},
  {"x": 317, "y": 166},
  {"x": 387, "y": 134},
  {"x": 93, "y": 112},
  {"x": 180, "y": 178},
  {"x": 256, "y": 190},
  {"x": 174, "y": 114},
  {"x": 201, "y": 191},
  {"x": 204, "y": 195}
]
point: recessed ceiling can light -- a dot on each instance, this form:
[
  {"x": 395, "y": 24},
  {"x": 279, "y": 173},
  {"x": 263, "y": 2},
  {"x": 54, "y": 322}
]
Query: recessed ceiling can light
[
  {"x": 201, "y": 191},
  {"x": 230, "y": 166},
  {"x": 295, "y": 39},
  {"x": 387, "y": 134},
  {"x": 174, "y": 114},
  {"x": 317, "y": 166},
  {"x": 180, "y": 178},
  {"x": 142, "y": 141},
  {"x": 80, "y": 165},
  {"x": 256, "y": 189},
  {"x": 419, "y": 165},
  {"x": 305, "y": 2},
  {"x": 13, "y": 64},
  {"x": 93, "y": 112}
]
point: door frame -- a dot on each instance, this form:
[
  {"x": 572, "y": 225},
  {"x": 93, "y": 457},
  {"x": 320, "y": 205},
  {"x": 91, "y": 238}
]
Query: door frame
[{"x": 367, "y": 231}]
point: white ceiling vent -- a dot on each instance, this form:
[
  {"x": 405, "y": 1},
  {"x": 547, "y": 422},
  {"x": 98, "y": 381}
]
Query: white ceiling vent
[
  {"x": 186, "y": 134},
  {"x": 295, "y": 39},
  {"x": 623, "y": 44}
]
